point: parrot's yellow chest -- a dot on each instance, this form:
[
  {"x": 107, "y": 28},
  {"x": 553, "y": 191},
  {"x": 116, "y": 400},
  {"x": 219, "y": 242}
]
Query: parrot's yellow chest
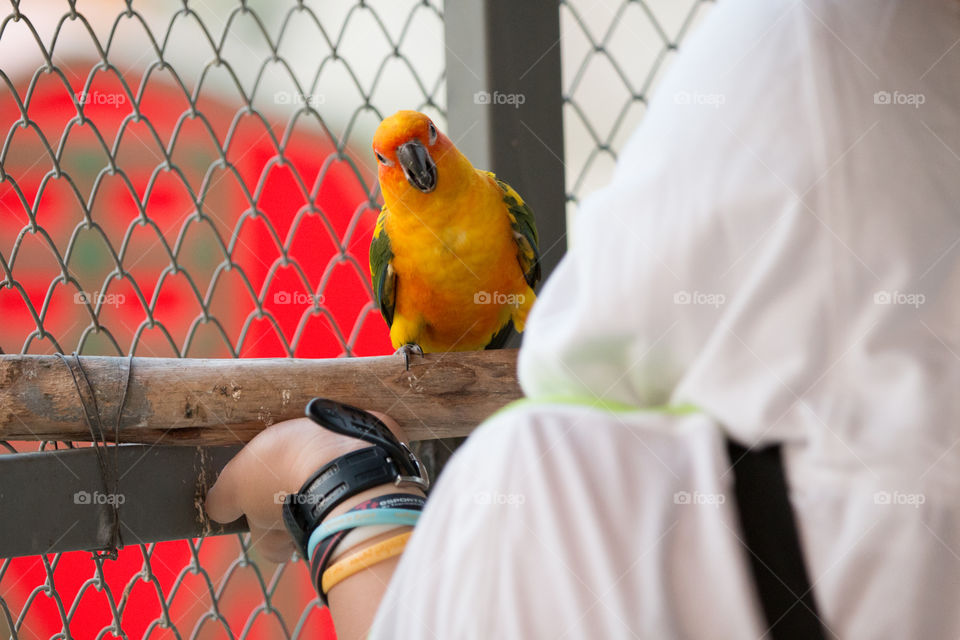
[{"x": 458, "y": 278}]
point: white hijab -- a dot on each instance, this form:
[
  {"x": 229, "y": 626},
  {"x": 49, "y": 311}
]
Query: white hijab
[{"x": 812, "y": 229}]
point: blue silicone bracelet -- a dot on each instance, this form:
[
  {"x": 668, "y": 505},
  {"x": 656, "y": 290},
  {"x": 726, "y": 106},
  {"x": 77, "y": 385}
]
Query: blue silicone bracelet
[{"x": 367, "y": 517}]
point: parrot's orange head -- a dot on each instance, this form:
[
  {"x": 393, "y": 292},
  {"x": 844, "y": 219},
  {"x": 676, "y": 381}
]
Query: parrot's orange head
[{"x": 409, "y": 149}]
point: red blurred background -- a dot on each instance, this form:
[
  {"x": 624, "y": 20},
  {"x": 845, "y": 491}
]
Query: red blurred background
[{"x": 186, "y": 260}]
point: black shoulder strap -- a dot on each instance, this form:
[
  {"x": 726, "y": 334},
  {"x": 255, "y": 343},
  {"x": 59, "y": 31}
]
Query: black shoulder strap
[{"x": 770, "y": 533}]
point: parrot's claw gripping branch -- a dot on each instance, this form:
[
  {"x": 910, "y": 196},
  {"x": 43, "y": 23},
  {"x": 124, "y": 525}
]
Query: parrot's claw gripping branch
[{"x": 406, "y": 350}]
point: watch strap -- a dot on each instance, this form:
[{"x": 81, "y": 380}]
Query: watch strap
[
  {"x": 333, "y": 483},
  {"x": 356, "y": 423}
]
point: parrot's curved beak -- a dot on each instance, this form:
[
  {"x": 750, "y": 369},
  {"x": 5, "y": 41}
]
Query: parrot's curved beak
[{"x": 418, "y": 166}]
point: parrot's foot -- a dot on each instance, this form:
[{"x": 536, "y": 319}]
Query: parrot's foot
[{"x": 406, "y": 350}]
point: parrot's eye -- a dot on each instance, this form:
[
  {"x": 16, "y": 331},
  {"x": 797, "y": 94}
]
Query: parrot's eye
[
  {"x": 432, "y": 130},
  {"x": 382, "y": 160}
]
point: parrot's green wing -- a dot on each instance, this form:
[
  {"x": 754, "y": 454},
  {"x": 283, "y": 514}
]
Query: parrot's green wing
[
  {"x": 382, "y": 275},
  {"x": 524, "y": 233}
]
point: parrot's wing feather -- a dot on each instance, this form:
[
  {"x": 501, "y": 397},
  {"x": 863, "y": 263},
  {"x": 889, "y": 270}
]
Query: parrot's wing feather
[
  {"x": 384, "y": 278},
  {"x": 524, "y": 232}
]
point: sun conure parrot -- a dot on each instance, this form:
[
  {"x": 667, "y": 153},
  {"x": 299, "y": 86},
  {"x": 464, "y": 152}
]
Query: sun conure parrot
[{"x": 454, "y": 256}]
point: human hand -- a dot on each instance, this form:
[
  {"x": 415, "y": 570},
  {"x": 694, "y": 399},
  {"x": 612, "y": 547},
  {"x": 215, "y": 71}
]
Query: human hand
[{"x": 276, "y": 462}]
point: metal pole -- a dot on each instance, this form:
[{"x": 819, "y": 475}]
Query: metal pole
[{"x": 505, "y": 102}]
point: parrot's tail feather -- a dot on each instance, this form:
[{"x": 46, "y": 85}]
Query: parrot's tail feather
[{"x": 500, "y": 338}]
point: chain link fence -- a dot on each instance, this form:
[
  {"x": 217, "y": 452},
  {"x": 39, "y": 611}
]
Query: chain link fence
[
  {"x": 194, "y": 180},
  {"x": 614, "y": 53}
]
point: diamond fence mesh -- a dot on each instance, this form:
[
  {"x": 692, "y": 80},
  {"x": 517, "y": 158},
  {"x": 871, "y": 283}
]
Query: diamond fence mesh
[
  {"x": 613, "y": 55},
  {"x": 194, "y": 180}
]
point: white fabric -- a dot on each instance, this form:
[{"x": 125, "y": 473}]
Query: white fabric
[{"x": 814, "y": 231}]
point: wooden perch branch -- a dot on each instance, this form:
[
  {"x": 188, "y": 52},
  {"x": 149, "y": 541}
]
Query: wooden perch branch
[{"x": 204, "y": 402}]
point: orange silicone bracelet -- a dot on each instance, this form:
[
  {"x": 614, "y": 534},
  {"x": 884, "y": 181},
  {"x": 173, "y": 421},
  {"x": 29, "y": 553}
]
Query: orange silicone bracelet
[{"x": 363, "y": 559}]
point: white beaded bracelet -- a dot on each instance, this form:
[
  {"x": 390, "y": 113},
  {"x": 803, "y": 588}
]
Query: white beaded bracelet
[{"x": 359, "y": 536}]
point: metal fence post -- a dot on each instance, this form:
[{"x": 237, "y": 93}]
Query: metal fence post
[{"x": 505, "y": 102}]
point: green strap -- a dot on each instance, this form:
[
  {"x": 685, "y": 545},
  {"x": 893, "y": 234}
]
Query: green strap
[{"x": 610, "y": 406}]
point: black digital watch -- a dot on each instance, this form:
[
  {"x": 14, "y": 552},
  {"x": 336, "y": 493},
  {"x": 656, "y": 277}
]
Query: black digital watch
[{"x": 388, "y": 461}]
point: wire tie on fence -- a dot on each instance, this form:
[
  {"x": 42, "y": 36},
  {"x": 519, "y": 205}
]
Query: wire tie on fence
[{"x": 109, "y": 473}]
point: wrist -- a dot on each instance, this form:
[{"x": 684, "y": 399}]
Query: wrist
[
  {"x": 344, "y": 479},
  {"x": 375, "y": 480}
]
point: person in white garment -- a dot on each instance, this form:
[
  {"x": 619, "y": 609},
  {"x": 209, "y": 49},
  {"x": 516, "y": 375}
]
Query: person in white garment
[{"x": 775, "y": 261}]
